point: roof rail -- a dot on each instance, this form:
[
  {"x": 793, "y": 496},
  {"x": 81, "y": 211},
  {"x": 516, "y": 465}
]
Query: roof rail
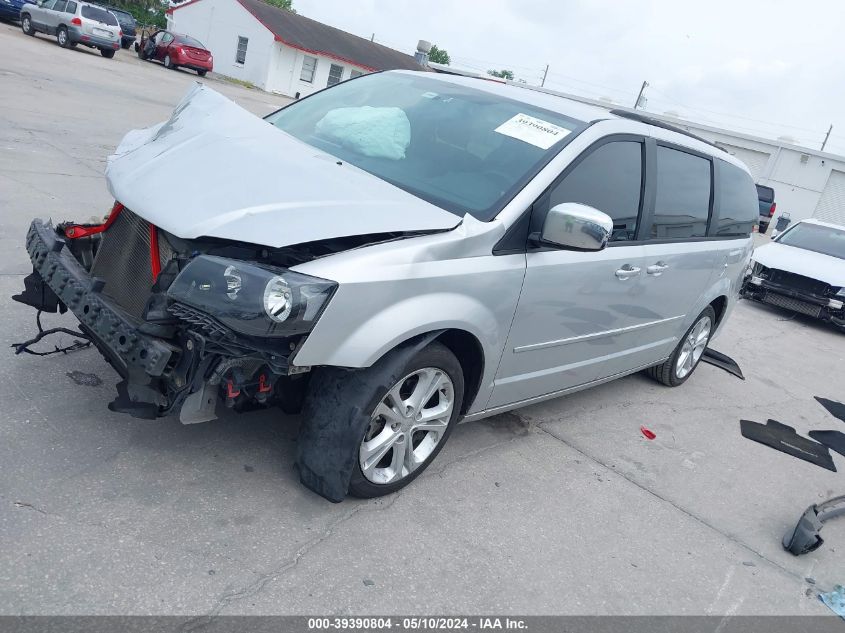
[{"x": 642, "y": 118}]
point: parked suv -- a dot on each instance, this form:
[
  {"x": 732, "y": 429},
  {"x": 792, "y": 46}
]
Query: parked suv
[
  {"x": 767, "y": 205},
  {"x": 393, "y": 254},
  {"x": 127, "y": 23},
  {"x": 73, "y": 22}
]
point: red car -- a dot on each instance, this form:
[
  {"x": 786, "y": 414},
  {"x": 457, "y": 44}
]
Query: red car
[{"x": 176, "y": 51}]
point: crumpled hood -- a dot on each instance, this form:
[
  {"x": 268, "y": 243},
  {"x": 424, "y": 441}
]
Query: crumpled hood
[
  {"x": 826, "y": 268},
  {"x": 216, "y": 170}
]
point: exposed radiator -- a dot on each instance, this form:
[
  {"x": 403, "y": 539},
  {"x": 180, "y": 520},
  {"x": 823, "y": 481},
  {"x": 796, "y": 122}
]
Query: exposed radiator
[{"x": 123, "y": 262}]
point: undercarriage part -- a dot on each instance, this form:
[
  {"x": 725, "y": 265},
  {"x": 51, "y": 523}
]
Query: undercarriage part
[
  {"x": 805, "y": 537},
  {"x": 834, "y": 440},
  {"x": 836, "y": 409},
  {"x": 76, "y": 345},
  {"x": 783, "y": 438},
  {"x": 39, "y": 295},
  {"x": 329, "y": 438},
  {"x": 722, "y": 361}
]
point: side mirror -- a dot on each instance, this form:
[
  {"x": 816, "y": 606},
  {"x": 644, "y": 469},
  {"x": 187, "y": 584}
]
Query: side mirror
[{"x": 576, "y": 226}]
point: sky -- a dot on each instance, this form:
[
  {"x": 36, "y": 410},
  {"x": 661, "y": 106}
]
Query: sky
[{"x": 771, "y": 69}]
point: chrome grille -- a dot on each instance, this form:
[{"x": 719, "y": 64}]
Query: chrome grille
[
  {"x": 796, "y": 305},
  {"x": 799, "y": 282},
  {"x": 123, "y": 262}
]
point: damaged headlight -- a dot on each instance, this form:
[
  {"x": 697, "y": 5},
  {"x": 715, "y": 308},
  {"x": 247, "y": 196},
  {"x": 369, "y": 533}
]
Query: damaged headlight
[{"x": 252, "y": 299}]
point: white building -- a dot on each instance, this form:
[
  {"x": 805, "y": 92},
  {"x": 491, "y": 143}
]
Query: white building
[{"x": 277, "y": 50}]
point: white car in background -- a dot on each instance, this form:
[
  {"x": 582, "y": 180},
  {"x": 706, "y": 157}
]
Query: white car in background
[{"x": 803, "y": 270}]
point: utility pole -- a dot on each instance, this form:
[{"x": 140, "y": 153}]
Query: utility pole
[
  {"x": 372, "y": 37},
  {"x": 640, "y": 96},
  {"x": 827, "y": 136},
  {"x": 545, "y": 72}
]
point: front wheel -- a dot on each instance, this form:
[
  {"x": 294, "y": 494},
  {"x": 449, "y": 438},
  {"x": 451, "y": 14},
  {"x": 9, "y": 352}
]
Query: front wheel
[
  {"x": 201, "y": 73},
  {"x": 683, "y": 361},
  {"x": 372, "y": 431},
  {"x": 26, "y": 25},
  {"x": 168, "y": 63}
]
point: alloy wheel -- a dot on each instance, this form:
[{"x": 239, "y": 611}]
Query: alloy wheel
[
  {"x": 693, "y": 347},
  {"x": 407, "y": 425},
  {"x": 62, "y": 38}
]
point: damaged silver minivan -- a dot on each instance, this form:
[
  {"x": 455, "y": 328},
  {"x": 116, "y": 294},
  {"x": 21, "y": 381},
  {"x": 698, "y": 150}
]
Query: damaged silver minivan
[{"x": 396, "y": 253}]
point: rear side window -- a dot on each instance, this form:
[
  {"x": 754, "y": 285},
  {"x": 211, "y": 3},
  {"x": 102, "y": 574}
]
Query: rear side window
[
  {"x": 71, "y": 7},
  {"x": 766, "y": 194},
  {"x": 682, "y": 205},
  {"x": 60, "y": 5},
  {"x": 100, "y": 15},
  {"x": 608, "y": 179},
  {"x": 738, "y": 207}
]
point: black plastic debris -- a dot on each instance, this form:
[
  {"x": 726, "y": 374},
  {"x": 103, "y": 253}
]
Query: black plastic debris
[
  {"x": 836, "y": 409},
  {"x": 805, "y": 537},
  {"x": 834, "y": 440},
  {"x": 722, "y": 361},
  {"x": 783, "y": 438}
]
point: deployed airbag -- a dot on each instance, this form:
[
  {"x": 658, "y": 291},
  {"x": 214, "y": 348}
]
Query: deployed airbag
[{"x": 383, "y": 132}]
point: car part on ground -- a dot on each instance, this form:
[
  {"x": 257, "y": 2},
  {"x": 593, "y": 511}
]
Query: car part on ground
[
  {"x": 679, "y": 366},
  {"x": 783, "y": 438},
  {"x": 722, "y": 361},
  {"x": 834, "y": 440},
  {"x": 805, "y": 536},
  {"x": 836, "y": 409}
]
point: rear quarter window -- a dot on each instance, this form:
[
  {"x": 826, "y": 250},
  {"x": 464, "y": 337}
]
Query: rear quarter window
[
  {"x": 738, "y": 206},
  {"x": 100, "y": 15}
]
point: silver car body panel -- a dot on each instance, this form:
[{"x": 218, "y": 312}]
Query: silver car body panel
[
  {"x": 286, "y": 192},
  {"x": 830, "y": 270},
  {"x": 548, "y": 322}
]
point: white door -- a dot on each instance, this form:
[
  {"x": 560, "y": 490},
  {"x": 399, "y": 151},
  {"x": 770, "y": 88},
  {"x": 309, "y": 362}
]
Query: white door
[{"x": 831, "y": 206}]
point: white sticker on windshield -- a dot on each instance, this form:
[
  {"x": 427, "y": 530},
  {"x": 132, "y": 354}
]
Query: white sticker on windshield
[{"x": 531, "y": 130}]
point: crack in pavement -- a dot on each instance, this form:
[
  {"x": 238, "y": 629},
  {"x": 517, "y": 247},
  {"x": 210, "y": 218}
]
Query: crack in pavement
[
  {"x": 258, "y": 585},
  {"x": 681, "y": 509}
]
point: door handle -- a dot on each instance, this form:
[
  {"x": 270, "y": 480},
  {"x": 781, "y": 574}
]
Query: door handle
[
  {"x": 627, "y": 271},
  {"x": 656, "y": 269}
]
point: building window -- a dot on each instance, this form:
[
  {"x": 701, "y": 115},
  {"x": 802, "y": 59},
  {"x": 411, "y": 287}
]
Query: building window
[
  {"x": 335, "y": 75},
  {"x": 309, "y": 67},
  {"x": 355, "y": 73},
  {"x": 240, "y": 56}
]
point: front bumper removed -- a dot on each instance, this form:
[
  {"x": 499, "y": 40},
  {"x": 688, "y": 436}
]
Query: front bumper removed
[
  {"x": 112, "y": 330},
  {"x": 798, "y": 301}
]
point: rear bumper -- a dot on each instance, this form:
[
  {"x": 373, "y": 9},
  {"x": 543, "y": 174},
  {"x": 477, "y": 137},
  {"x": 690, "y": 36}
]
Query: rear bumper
[
  {"x": 114, "y": 332},
  {"x": 795, "y": 300},
  {"x": 76, "y": 36},
  {"x": 193, "y": 64}
]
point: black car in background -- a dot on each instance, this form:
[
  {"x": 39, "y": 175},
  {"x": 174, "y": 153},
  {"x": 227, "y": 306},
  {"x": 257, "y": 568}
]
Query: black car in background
[
  {"x": 126, "y": 21},
  {"x": 766, "y": 200}
]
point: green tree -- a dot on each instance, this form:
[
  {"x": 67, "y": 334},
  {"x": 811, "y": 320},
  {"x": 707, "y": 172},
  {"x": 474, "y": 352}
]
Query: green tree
[
  {"x": 287, "y": 5},
  {"x": 439, "y": 55},
  {"x": 503, "y": 74}
]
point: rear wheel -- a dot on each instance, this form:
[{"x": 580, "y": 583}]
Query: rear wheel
[
  {"x": 683, "y": 361},
  {"x": 108, "y": 53},
  {"x": 26, "y": 25},
  {"x": 62, "y": 37}
]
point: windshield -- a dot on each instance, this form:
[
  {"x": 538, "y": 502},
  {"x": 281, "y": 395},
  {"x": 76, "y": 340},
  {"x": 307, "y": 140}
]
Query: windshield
[
  {"x": 814, "y": 237},
  {"x": 190, "y": 41},
  {"x": 766, "y": 194},
  {"x": 462, "y": 149}
]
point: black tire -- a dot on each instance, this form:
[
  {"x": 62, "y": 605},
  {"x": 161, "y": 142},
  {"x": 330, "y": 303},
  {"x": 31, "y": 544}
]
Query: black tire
[
  {"x": 125, "y": 45},
  {"x": 168, "y": 63},
  {"x": 26, "y": 25},
  {"x": 202, "y": 73},
  {"x": 434, "y": 355},
  {"x": 62, "y": 38},
  {"x": 108, "y": 53},
  {"x": 666, "y": 372}
]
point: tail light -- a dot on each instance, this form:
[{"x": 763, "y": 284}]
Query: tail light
[
  {"x": 120, "y": 33},
  {"x": 76, "y": 21},
  {"x": 772, "y": 209}
]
